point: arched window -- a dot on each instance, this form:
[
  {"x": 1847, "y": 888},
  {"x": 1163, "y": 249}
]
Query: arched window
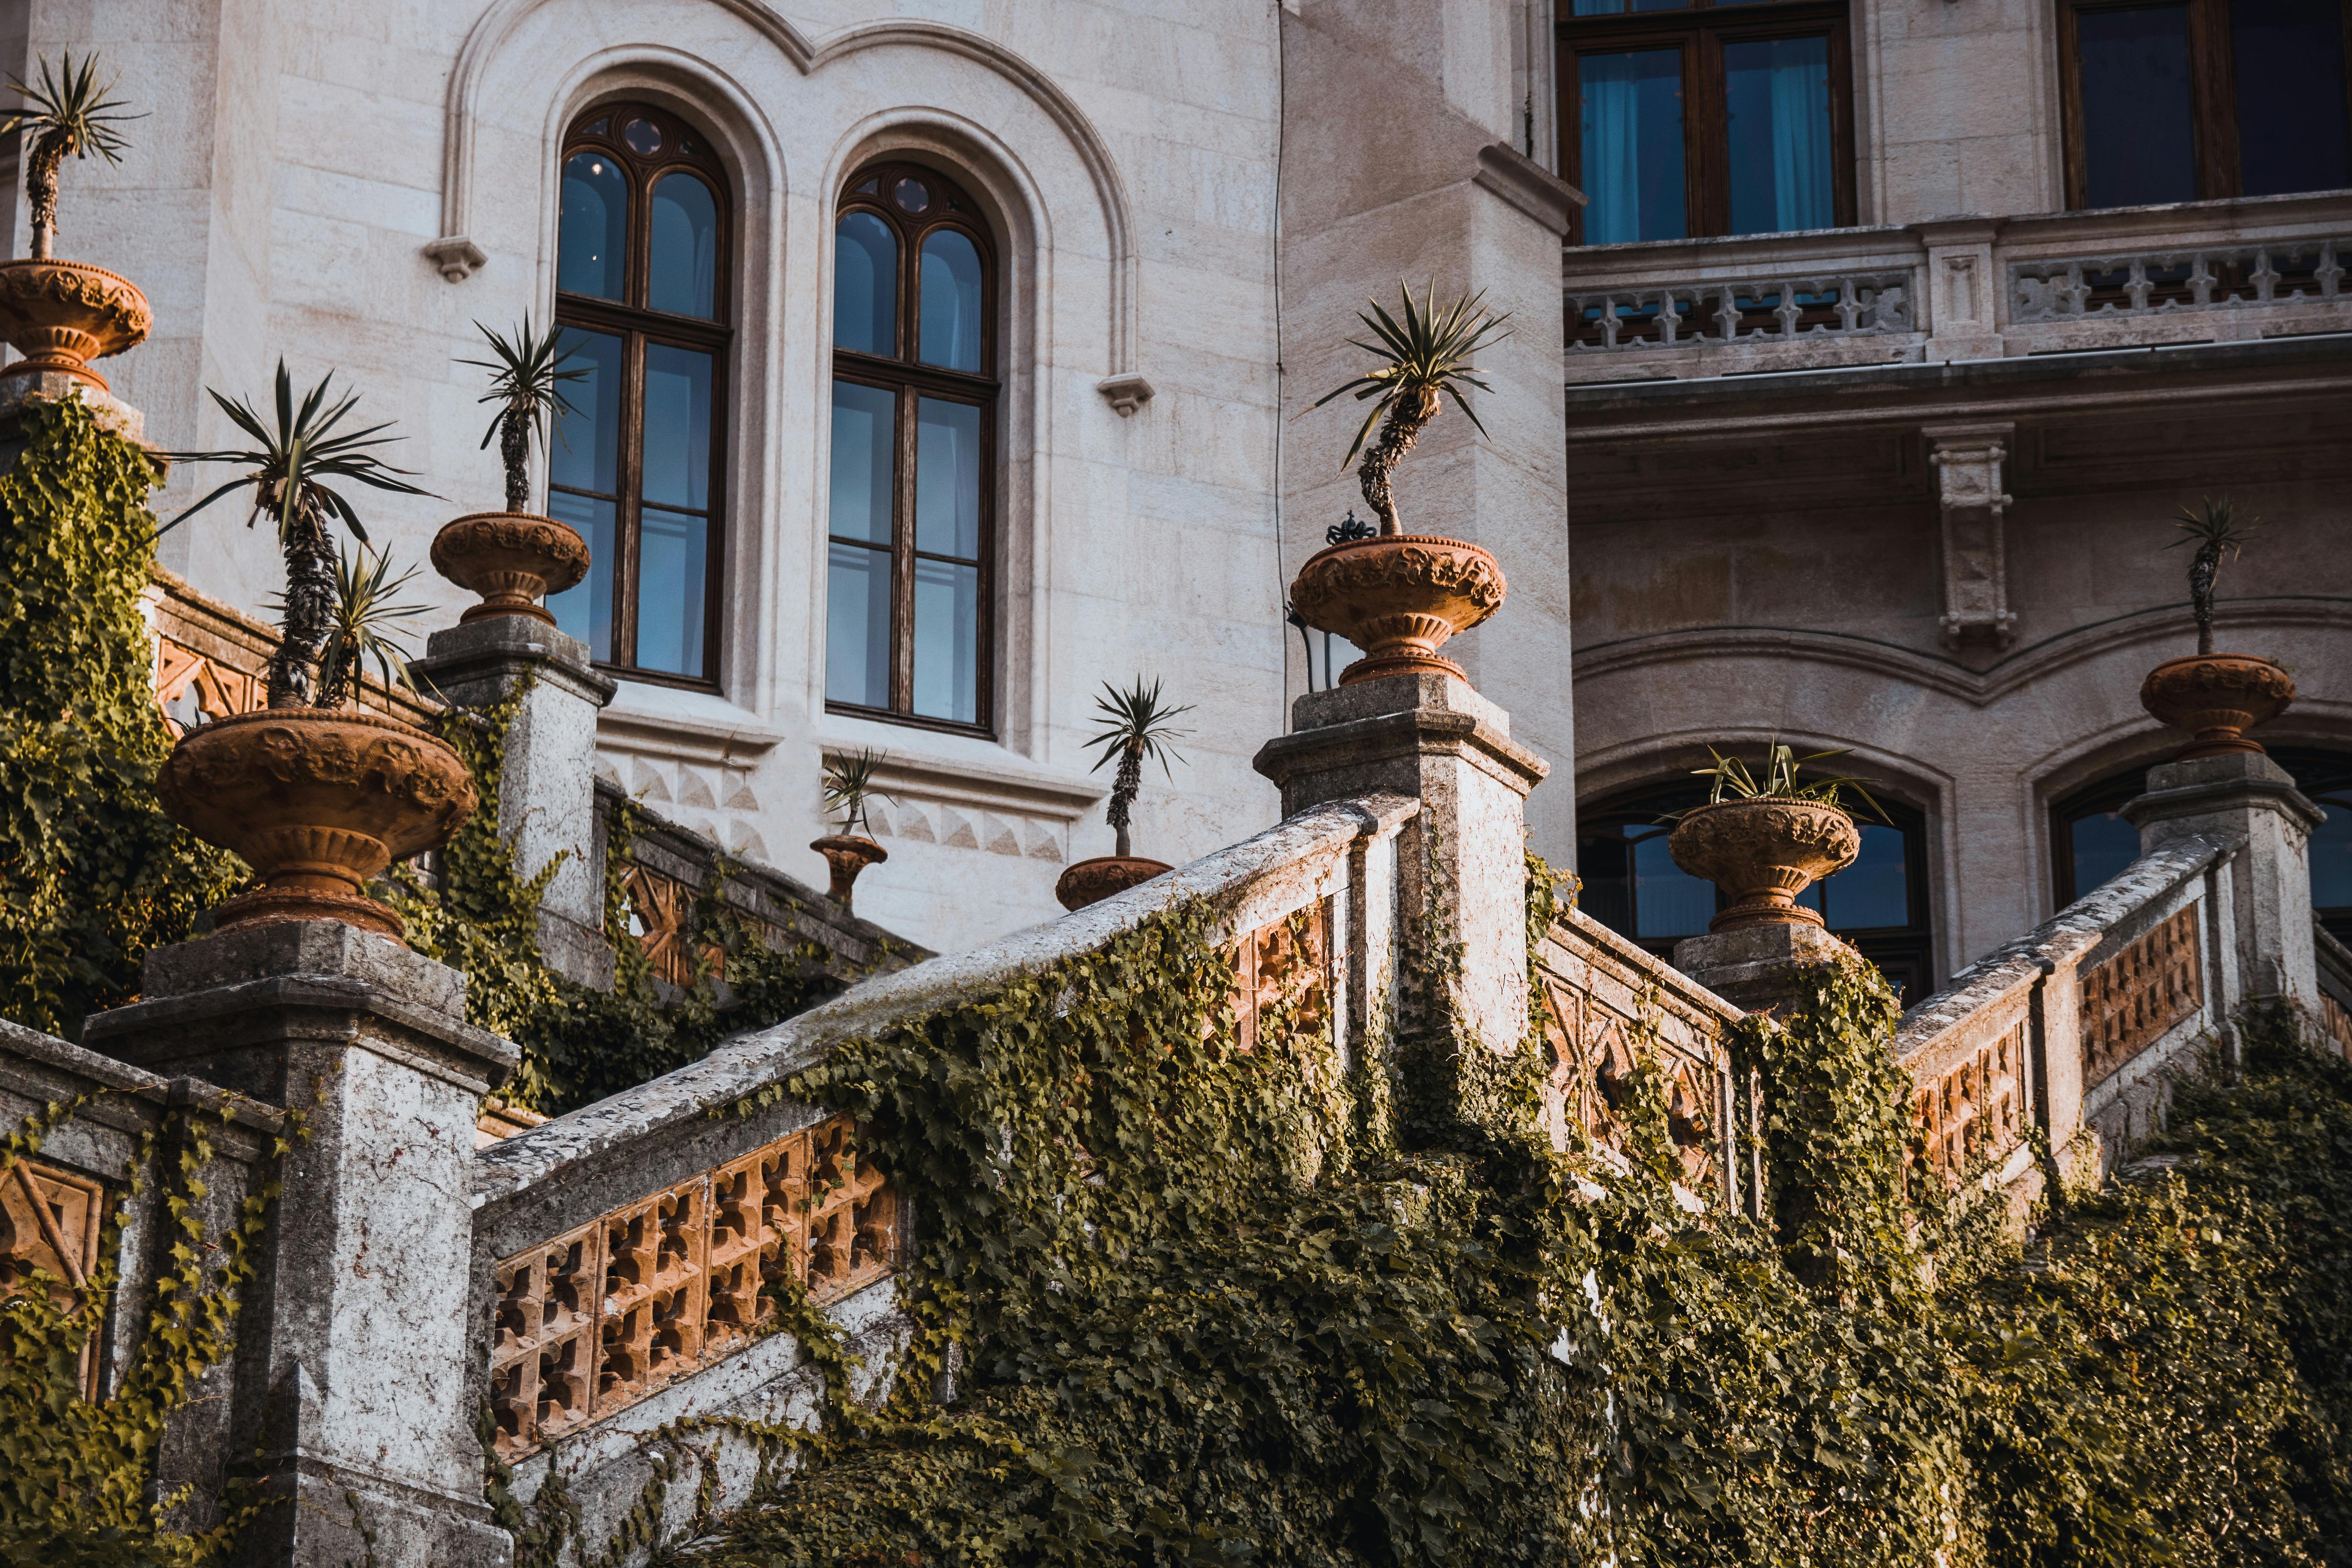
[
  {"x": 914, "y": 435},
  {"x": 1878, "y": 904},
  {"x": 642, "y": 286},
  {"x": 2091, "y": 842}
]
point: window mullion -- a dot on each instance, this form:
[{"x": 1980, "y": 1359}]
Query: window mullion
[
  {"x": 902, "y": 559},
  {"x": 627, "y": 514},
  {"x": 1707, "y": 134},
  {"x": 2212, "y": 91}
]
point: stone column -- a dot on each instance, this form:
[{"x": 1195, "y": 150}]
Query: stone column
[
  {"x": 354, "y": 1341},
  {"x": 1462, "y": 872},
  {"x": 547, "y": 792},
  {"x": 2246, "y": 797}
]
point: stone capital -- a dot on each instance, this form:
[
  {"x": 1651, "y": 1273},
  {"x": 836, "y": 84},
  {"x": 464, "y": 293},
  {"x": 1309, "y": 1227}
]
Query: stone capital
[{"x": 481, "y": 661}]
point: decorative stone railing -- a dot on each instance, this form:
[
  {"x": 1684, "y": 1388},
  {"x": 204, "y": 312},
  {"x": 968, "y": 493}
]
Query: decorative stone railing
[
  {"x": 628, "y": 1256},
  {"x": 2073, "y": 1024},
  {"x": 1607, "y": 1007},
  {"x": 1783, "y": 307},
  {"x": 2335, "y": 988},
  {"x": 1959, "y": 289}
]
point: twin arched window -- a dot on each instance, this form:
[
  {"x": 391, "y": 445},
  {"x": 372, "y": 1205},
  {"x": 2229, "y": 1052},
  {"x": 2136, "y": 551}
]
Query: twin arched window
[
  {"x": 914, "y": 420},
  {"x": 642, "y": 294}
]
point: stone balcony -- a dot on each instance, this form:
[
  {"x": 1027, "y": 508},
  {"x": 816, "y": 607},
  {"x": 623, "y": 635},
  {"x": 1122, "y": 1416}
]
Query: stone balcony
[{"x": 1960, "y": 289}]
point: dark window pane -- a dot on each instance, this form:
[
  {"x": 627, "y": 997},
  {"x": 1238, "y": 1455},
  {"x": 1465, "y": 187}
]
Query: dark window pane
[
  {"x": 642, "y": 137},
  {"x": 683, "y": 274},
  {"x": 2102, "y": 844},
  {"x": 1599, "y": 7},
  {"x": 946, "y": 641},
  {"x": 951, "y": 326},
  {"x": 912, "y": 195},
  {"x": 591, "y": 241},
  {"x": 947, "y": 479},
  {"x": 1873, "y": 891},
  {"x": 1778, "y": 92},
  {"x": 2331, "y": 853},
  {"x": 2290, "y": 63},
  {"x": 677, "y": 426},
  {"x": 2139, "y": 146},
  {"x": 1633, "y": 135},
  {"x": 1602, "y": 864},
  {"x": 865, "y": 285},
  {"x": 857, "y": 626},
  {"x": 1667, "y": 900},
  {"x": 673, "y": 554},
  {"x": 863, "y": 448},
  {"x": 586, "y": 610},
  {"x": 585, "y": 452}
]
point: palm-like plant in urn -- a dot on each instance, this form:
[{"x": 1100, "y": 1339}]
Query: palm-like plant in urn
[
  {"x": 850, "y": 790},
  {"x": 2217, "y": 697},
  {"x": 317, "y": 797},
  {"x": 1764, "y": 836},
  {"x": 1135, "y": 729},
  {"x": 60, "y": 315},
  {"x": 1400, "y": 595},
  {"x": 515, "y": 558}
]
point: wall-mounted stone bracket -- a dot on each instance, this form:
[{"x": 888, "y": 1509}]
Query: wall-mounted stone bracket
[
  {"x": 458, "y": 257},
  {"x": 1967, "y": 462}
]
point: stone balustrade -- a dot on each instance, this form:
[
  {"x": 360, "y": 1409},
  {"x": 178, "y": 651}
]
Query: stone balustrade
[{"x": 1959, "y": 289}]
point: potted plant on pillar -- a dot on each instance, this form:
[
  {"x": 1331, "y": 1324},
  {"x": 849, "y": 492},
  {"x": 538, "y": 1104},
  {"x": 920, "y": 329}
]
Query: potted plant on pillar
[
  {"x": 1763, "y": 839},
  {"x": 1400, "y": 595},
  {"x": 317, "y": 796},
  {"x": 515, "y": 558},
  {"x": 848, "y": 788},
  {"x": 1136, "y": 730},
  {"x": 2217, "y": 697},
  {"x": 60, "y": 315}
]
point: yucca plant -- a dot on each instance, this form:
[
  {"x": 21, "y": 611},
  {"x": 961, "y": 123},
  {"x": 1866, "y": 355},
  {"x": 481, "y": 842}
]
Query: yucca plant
[
  {"x": 527, "y": 377},
  {"x": 365, "y": 629},
  {"x": 1778, "y": 780},
  {"x": 1135, "y": 729},
  {"x": 2217, "y": 534},
  {"x": 1424, "y": 359},
  {"x": 291, "y": 465},
  {"x": 68, "y": 114},
  {"x": 850, "y": 786}
]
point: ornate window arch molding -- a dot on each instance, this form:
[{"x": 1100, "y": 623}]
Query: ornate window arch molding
[{"x": 468, "y": 128}]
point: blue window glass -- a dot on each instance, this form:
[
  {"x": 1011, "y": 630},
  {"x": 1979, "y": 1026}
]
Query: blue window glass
[
  {"x": 2138, "y": 133},
  {"x": 1631, "y": 131},
  {"x": 951, "y": 295},
  {"x": 682, "y": 276},
  {"x": 1777, "y": 91},
  {"x": 865, "y": 285},
  {"x": 2289, "y": 59},
  {"x": 592, "y": 239}
]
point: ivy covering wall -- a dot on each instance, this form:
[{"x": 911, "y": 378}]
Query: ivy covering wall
[
  {"x": 92, "y": 873},
  {"x": 1184, "y": 1304}
]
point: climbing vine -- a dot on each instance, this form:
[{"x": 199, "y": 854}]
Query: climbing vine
[{"x": 92, "y": 873}]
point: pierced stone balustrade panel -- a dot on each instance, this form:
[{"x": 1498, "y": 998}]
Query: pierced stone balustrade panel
[
  {"x": 607, "y": 1314},
  {"x": 1283, "y": 970},
  {"x": 2142, "y": 994},
  {"x": 2300, "y": 271},
  {"x": 1974, "y": 1109},
  {"x": 1855, "y": 304},
  {"x": 49, "y": 1225}
]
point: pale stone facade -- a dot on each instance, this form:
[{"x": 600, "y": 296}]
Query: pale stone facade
[{"x": 1922, "y": 528}]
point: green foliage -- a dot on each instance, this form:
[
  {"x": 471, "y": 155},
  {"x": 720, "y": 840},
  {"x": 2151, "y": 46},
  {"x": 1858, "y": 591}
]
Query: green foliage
[
  {"x": 1777, "y": 780},
  {"x": 92, "y": 873},
  {"x": 1423, "y": 356},
  {"x": 1175, "y": 1305}
]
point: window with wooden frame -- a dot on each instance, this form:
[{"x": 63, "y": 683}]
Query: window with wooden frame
[
  {"x": 1680, "y": 120},
  {"x": 908, "y": 597},
  {"x": 2201, "y": 99},
  {"x": 643, "y": 256}
]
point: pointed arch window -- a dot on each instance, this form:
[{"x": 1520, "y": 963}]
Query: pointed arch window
[
  {"x": 912, "y": 520},
  {"x": 643, "y": 255}
]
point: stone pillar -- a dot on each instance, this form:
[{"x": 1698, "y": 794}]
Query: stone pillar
[
  {"x": 1462, "y": 875},
  {"x": 1759, "y": 967},
  {"x": 547, "y": 793},
  {"x": 354, "y": 1339},
  {"x": 1968, "y": 461},
  {"x": 2246, "y": 797}
]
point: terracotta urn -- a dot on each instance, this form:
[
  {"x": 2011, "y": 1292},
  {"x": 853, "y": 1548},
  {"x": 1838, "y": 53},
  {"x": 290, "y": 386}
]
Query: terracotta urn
[
  {"x": 1397, "y": 597},
  {"x": 2217, "y": 697},
  {"x": 60, "y": 315},
  {"x": 1763, "y": 853},
  {"x": 847, "y": 853},
  {"x": 318, "y": 801},
  {"x": 1091, "y": 881},
  {"x": 512, "y": 559}
]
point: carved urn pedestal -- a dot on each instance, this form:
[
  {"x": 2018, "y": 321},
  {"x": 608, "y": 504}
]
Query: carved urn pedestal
[
  {"x": 1085, "y": 882},
  {"x": 512, "y": 559},
  {"x": 60, "y": 315},
  {"x": 1763, "y": 853},
  {"x": 847, "y": 853},
  {"x": 318, "y": 802},
  {"x": 1399, "y": 597},
  {"x": 2216, "y": 698}
]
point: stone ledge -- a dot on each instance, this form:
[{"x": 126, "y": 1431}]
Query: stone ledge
[{"x": 498, "y": 647}]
